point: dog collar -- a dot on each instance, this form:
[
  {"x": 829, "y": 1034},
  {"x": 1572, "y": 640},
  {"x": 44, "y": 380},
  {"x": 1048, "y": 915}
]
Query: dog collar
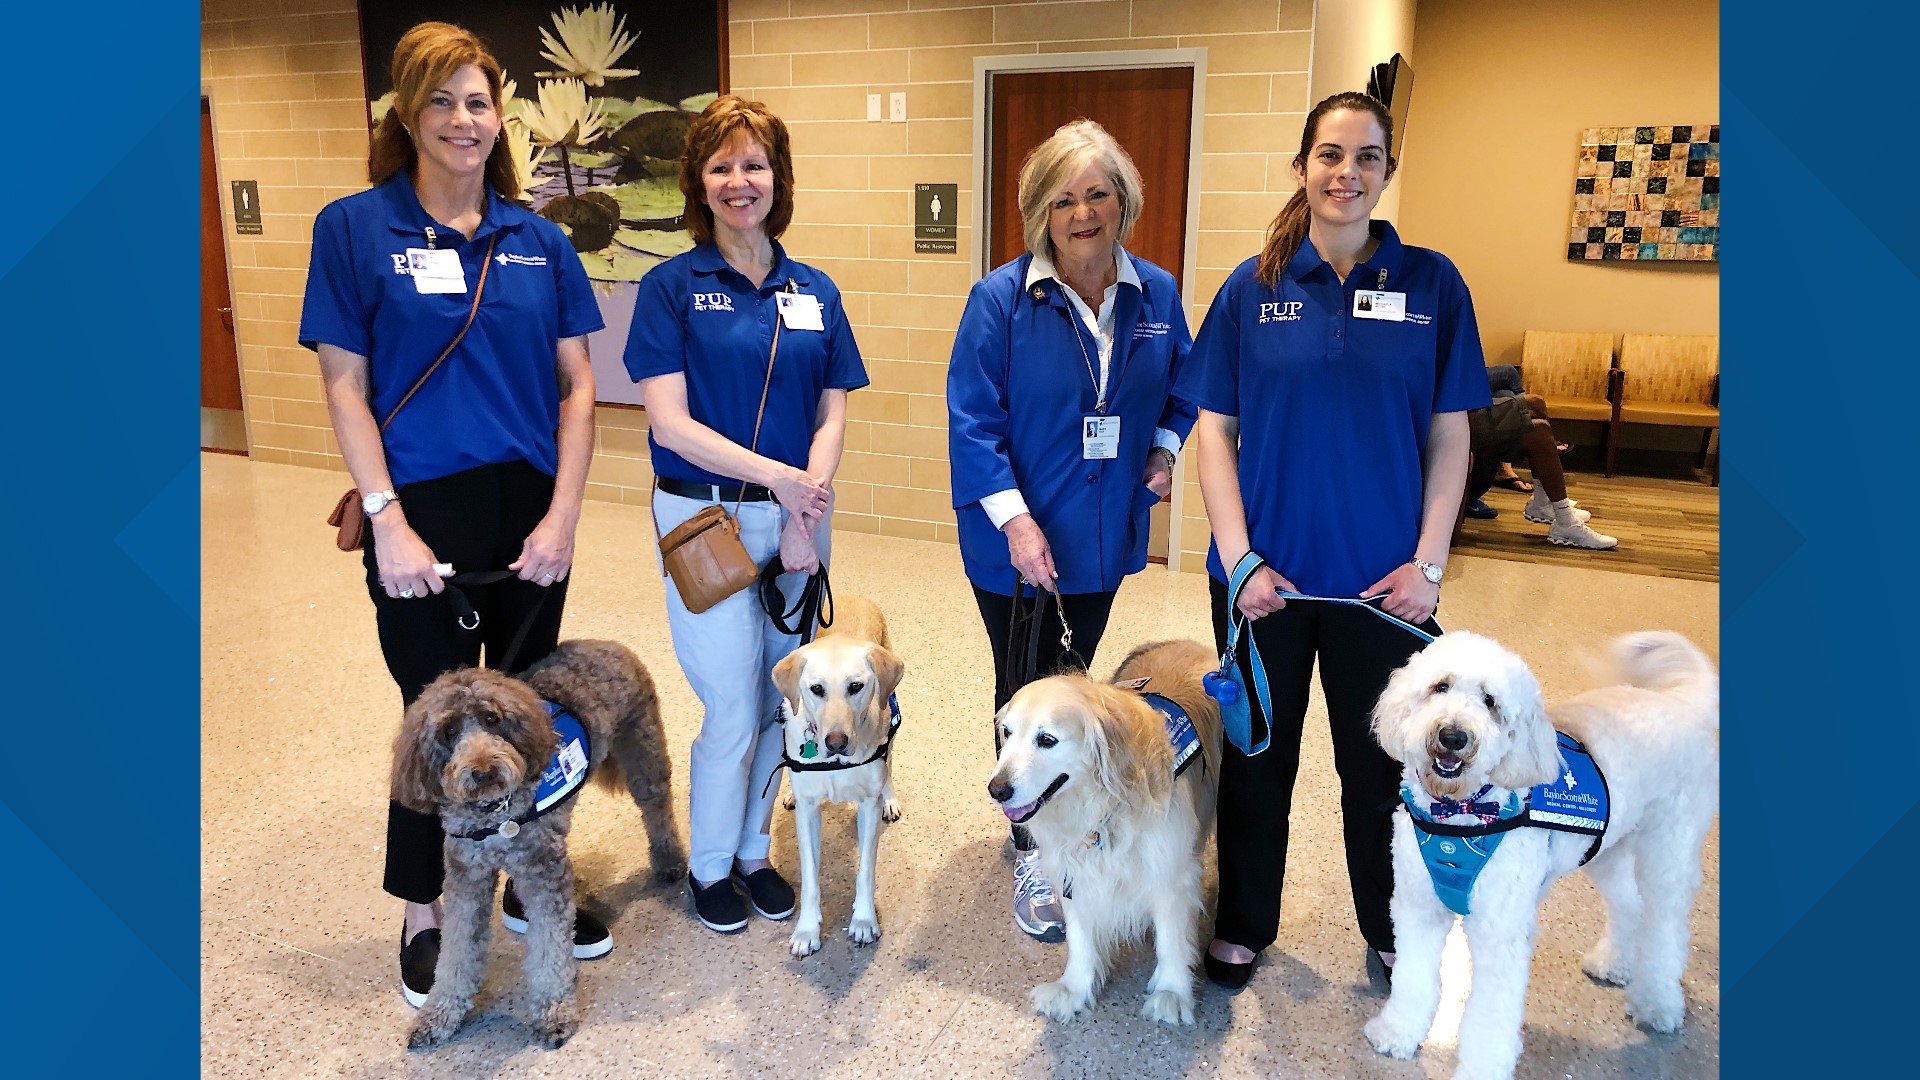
[{"x": 563, "y": 777}]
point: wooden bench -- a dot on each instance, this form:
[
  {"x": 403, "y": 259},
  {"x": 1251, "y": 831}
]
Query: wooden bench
[{"x": 1672, "y": 380}]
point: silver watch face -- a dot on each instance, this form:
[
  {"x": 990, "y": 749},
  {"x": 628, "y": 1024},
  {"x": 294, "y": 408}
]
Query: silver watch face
[
  {"x": 373, "y": 502},
  {"x": 1432, "y": 573}
]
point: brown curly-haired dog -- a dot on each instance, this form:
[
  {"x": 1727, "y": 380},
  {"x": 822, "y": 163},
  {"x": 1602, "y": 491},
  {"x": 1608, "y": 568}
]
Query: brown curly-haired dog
[{"x": 472, "y": 748}]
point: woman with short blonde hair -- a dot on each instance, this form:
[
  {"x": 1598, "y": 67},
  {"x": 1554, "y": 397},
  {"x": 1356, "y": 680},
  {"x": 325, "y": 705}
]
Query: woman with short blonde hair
[{"x": 1062, "y": 424}]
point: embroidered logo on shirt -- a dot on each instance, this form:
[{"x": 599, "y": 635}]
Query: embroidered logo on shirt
[
  {"x": 520, "y": 260},
  {"x": 400, "y": 264},
  {"x": 712, "y": 301},
  {"x": 1284, "y": 311},
  {"x": 1150, "y": 330},
  {"x": 1421, "y": 320}
]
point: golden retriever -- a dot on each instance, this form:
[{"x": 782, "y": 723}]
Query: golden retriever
[
  {"x": 837, "y": 690},
  {"x": 1088, "y": 768}
]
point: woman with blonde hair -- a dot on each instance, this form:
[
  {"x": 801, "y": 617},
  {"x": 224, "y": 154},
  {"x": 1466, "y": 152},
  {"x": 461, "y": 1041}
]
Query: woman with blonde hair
[
  {"x": 754, "y": 421},
  {"x": 1062, "y": 423},
  {"x": 479, "y": 461}
]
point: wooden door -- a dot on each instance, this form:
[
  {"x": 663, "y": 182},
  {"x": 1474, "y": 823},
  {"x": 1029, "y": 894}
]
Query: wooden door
[
  {"x": 219, "y": 356},
  {"x": 1150, "y": 112}
]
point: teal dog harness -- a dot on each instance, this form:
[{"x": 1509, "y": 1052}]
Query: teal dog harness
[{"x": 1574, "y": 801}]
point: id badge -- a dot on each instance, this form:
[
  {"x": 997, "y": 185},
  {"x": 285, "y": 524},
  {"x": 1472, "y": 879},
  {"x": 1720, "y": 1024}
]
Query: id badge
[
  {"x": 1099, "y": 437},
  {"x": 436, "y": 270},
  {"x": 1386, "y": 306},
  {"x": 799, "y": 311}
]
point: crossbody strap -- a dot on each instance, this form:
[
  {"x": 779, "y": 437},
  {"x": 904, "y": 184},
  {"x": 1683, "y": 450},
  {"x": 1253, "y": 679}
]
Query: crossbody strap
[
  {"x": 473, "y": 310},
  {"x": 754, "y": 446}
]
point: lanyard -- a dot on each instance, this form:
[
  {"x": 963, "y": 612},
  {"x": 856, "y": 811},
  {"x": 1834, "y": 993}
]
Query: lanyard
[{"x": 1099, "y": 391}]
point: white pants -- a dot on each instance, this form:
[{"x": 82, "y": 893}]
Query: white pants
[{"x": 728, "y": 652}]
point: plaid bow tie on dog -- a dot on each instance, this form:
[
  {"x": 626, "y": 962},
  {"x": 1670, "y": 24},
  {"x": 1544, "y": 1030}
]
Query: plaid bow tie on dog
[{"x": 1487, "y": 812}]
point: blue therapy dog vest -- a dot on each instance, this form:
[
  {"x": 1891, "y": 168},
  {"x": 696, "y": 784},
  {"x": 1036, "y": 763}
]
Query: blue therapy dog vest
[
  {"x": 1180, "y": 732},
  {"x": 1574, "y": 801},
  {"x": 568, "y": 769}
]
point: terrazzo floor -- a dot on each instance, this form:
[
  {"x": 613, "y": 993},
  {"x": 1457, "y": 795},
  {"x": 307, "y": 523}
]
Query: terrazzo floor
[{"x": 298, "y": 968}]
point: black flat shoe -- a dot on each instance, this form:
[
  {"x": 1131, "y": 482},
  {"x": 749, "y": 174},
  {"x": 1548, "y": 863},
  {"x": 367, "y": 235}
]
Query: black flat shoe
[
  {"x": 1230, "y": 976},
  {"x": 1376, "y": 964}
]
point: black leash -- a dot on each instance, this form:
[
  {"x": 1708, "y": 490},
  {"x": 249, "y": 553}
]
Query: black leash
[
  {"x": 813, "y": 610},
  {"x": 469, "y": 617},
  {"x": 1023, "y": 656}
]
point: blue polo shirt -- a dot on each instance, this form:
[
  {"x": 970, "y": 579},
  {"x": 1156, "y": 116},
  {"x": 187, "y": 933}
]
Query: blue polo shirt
[
  {"x": 699, "y": 316},
  {"x": 1334, "y": 409},
  {"x": 496, "y": 398},
  {"x": 1019, "y": 385}
]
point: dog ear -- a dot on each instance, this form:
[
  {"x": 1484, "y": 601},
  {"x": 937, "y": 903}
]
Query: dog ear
[
  {"x": 1533, "y": 752},
  {"x": 419, "y": 755},
  {"x": 786, "y": 677},
  {"x": 1127, "y": 764},
  {"x": 1406, "y": 688},
  {"x": 888, "y": 670}
]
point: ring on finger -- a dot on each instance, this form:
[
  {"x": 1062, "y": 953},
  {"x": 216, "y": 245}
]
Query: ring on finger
[{"x": 407, "y": 593}]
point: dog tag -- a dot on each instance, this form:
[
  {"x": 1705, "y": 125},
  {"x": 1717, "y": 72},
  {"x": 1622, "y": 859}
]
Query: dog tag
[
  {"x": 809, "y": 749},
  {"x": 509, "y": 828}
]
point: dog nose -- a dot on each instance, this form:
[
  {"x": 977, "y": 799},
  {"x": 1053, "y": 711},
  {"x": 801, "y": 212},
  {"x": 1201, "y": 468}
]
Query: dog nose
[
  {"x": 1453, "y": 738},
  {"x": 482, "y": 776},
  {"x": 837, "y": 743},
  {"x": 1000, "y": 789}
]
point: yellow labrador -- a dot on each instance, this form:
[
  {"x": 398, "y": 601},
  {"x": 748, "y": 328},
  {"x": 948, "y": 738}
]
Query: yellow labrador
[
  {"x": 838, "y": 729},
  {"x": 1088, "y": 767}
]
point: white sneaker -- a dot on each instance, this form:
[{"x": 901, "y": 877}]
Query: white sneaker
[
  {"x": 1577, "y": 534},
  {"x": 1540, "y": 511}
]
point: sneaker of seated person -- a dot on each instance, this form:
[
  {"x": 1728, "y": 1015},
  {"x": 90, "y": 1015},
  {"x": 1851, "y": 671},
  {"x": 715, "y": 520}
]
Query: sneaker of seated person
[
  {"x": 1539, "y": 509},
  {"x": 1035, "y": 908},
  {"x": 1571, "y": 533},
  {"x": 591, "y": 938},
  {"x": 1480, "y": 511}
]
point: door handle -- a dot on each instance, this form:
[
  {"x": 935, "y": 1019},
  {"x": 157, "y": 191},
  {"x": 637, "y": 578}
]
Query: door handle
[{"x": 226, "y": 318}]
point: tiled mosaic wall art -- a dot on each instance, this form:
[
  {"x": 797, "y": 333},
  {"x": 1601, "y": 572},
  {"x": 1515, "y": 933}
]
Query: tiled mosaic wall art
[{"x": 1647, "y": 193}]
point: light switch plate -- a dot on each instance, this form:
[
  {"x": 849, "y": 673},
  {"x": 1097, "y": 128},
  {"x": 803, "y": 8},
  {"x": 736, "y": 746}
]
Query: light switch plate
[
  {"x": 897, "y": 106},
  {"x": 873, "y": 107}
]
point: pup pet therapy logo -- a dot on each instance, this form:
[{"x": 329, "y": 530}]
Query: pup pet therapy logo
[
  {"x": 712, "y": 301},
  {"x": 1284, "y": 311}
]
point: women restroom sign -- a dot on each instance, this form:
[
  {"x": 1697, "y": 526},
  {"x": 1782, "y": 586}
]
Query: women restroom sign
[{"x": 936, "y": 208}]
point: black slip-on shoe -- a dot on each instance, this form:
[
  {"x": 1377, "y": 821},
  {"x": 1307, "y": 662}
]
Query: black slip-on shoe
[
  {"x": 1378, "y": 969},
  {"x": 418, "y": 959},
  {"x": 1229, "y": 975},
  {"x": 591, "y": 938},
  {"x": 718, "y": 906},
  {"x": 771, "y": 896}
]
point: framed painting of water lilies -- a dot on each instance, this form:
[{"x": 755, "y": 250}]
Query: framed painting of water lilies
[{"x": 597, "y": 101}]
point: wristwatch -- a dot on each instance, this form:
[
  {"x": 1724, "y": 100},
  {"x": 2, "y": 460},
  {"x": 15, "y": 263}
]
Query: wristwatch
[
  {"x": 1163, "y": 452},
  {"x": 375, "y": 501},
  {"x": 1429, "y": 571}
]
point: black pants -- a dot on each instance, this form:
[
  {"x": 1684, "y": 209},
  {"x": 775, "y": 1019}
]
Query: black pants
[
  {"x": 476, "y": 520},
  {"x": 1356, "y": 651},
  {"x": 1086, "y": 614}
]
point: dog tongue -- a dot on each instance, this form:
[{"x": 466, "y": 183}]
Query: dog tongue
[{"x": 1016, "y": 813}]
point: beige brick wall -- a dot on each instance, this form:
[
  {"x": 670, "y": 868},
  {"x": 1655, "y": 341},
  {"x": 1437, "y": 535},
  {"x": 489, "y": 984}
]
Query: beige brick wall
[{"x": 286, "y": 93}]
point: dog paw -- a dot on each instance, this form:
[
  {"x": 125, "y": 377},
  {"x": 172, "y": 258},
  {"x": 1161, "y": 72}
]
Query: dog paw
[
  {"x": 1057, "y": 1000},
  {"x": 890, "y": 810},
  {"x": 786, "y": 800},
  {"x": 805, "y": 940},
  {"x": 433, "y": 1027},
  {"x": 1606, "y": 966},
  {"x": 1168, "y": 1007},
  {"x": 864, "y": 931},
  {"x": 1387, "y": 1038},
  {"x": 1665, "y": 1015},
  {"x": 554, "y": 1025}
]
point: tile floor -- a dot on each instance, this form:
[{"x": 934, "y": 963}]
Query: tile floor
[{"x": 298, "y": 951}]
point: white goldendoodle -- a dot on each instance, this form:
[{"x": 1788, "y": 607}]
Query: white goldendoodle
[{"x": 1467, "y": 719}]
